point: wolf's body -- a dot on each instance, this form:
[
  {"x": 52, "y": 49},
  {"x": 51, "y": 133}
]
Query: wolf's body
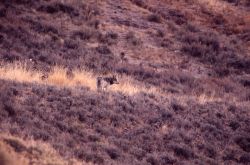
[{"x": 102, "y": 83}]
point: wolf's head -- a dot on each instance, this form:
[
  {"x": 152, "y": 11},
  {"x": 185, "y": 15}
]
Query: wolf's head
[{"x": 114, "y": 80}]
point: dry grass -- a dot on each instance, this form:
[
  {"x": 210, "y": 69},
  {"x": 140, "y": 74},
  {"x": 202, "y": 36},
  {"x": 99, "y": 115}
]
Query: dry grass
[
  {"x": 19, "y": 72},
  {"x": 58, "y": 77},
  {"x": 129, "y": 86},
  {"x": 9, "y": 157},
  {"x": 214, "y": 4},
  {"x": 34, "y": 152},
  {"x": 205, "y": 98},
  {"x": 222, "y": 7},
  {"x": 202, "y": 98}
]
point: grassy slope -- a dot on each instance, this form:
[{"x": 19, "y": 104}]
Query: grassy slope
[
  {"x": 61, "y": 77},
  {"x": 195, "y": 53},
  {"x": 17, "y": 151}
]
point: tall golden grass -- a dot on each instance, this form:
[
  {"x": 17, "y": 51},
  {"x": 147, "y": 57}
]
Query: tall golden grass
[
  {"x": 37, "y": 152},
  {"x": 19, "y": 72},
  {"x": 58, "y": 77}
]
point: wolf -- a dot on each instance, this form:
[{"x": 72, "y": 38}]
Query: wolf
[{"x": 102, "y": 83}]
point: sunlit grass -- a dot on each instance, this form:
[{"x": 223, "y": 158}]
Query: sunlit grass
[
  {"x": 46, "y": 154},
  {"x": 59, "y": 77},
  {"x": 129, "y": 86},
  {"x": 19, "y": 72}
]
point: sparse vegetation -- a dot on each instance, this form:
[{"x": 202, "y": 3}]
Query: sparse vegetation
[
  {"x": 41, "y": 153},
  {"x": 183, "y": 71},
  {"x": 132, "y": 39},
  {"x": 207, "y": 48},
  {"x": 140, "y": 3},
  {"x": 154, "y": 18}
]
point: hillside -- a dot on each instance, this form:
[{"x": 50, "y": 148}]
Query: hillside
[{"x": 183, "y": 68}]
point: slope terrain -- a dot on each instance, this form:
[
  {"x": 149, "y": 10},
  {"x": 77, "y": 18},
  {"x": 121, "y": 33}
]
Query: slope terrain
[{"x": 184, "y": 89}]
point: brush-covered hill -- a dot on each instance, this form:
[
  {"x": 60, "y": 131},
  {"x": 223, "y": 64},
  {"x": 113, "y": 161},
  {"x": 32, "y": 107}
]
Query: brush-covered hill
[{"x": 184, "y": 92}]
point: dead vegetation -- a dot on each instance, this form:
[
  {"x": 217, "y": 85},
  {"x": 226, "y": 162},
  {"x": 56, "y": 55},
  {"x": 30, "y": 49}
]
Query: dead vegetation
[
  {"x": 62, "y": 77},
  {"x": 114, "y": 127},
  {"x": 17, "y": 151},
  {"x": 183, "y": 69}
]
